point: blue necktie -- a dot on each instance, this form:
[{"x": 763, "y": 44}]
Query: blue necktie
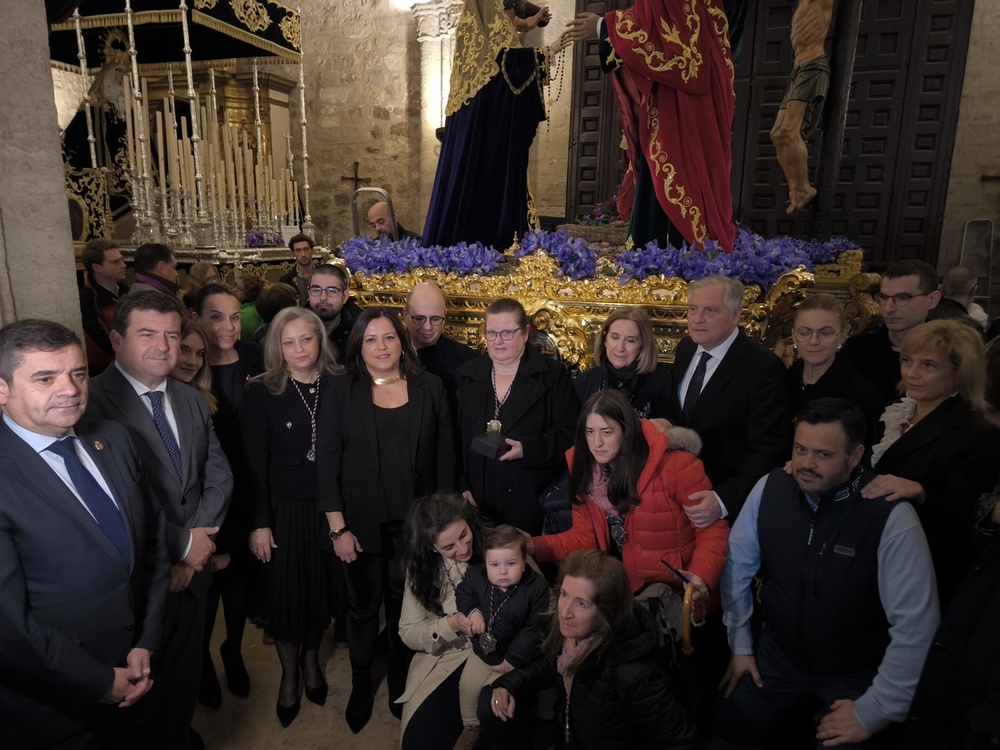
[
  {"x": 100, "y": 505},
  {"x": 694, "y": 387},
  {"x": 163, "y": 427}
]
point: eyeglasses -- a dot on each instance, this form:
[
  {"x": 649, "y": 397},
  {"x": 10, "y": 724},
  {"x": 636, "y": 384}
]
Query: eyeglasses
[
  {"x": 330, "y": 291},
  {"x": 505, "y": 335},
  {"x": 419, "y": 320},
  {"x": 825, "y": 335},
  {"x": 900, "y": 300}
]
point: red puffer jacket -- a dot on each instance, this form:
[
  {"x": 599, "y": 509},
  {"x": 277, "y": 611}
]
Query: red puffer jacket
[{"x": 658, "y": 528}]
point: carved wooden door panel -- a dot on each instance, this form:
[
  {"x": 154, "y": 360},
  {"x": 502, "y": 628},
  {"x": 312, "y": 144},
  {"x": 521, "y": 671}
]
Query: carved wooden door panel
[
  {"x": 595, "y": 128},
  {"x": 896, "y": 156},
  {"x": 903, "y": 109}
]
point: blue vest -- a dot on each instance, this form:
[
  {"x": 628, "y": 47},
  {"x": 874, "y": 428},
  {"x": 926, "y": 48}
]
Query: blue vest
[{"x": 820, "y": 570}]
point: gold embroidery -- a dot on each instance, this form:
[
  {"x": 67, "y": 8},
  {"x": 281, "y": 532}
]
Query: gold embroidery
[
  {"x": 205, "y": 4},
  {"x": 291, "y": 29},
  {"x": 687, "y": 61},
  {"x": 251, "y": 14},
  {"x": 483, "y": 31},
  {"x": 663, "y": 169},
  {"x": 721, "y": 23}
]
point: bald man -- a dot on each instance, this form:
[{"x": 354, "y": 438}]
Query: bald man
[
  {"x": 424, "y": 316},
  {"x": 381, "y": 222}
]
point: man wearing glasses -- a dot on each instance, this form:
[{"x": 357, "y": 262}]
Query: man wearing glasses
[
  {"x": 909, "y": 291},
  {"x": 330, "y": 299},
  {"x": 424, "y": 318}
]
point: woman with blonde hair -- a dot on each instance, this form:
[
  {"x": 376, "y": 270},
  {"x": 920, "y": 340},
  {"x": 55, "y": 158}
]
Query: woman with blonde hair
[
  {"x": 625, "y": 360},
  {"x": 935, "y": 448},
  {"x": 280, "y": 422}
]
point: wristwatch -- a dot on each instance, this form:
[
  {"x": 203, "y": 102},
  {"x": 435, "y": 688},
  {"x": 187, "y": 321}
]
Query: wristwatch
[{"x": 335, "y": 534}]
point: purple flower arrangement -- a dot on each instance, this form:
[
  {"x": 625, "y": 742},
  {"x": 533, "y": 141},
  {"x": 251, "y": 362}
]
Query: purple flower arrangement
[
  {"x": 605, "y": 212},
  {"x": 385, "y": 256},
  {"x": 576, "y": 258},
  {"x": 263, "y": 238},
  {"x": 754, "y": 260}
]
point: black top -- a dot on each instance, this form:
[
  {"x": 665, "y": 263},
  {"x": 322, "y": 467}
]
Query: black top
[
  {"x": 621, "y": 697},
  {"x": 444, "y": 358},
  {"x": 841, "y": 380},
  {"x": 649, "y": 394},
  {"x": 873, "y": 355},
  {"x": 338, "y": 336},
  {"x": 392, "y": 426},
  {"x": 229, "y": 384},
  {"x": 952, "y": 453},
  {"x": 540, "y": 412}
]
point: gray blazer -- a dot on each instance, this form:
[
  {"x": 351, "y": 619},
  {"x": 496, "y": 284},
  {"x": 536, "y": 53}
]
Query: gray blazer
[{"x": 201, "y": 499}]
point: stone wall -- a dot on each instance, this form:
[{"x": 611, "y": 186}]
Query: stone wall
[
  {"x": 37, "y": 272},
  {"x": 977, "y": 143},
  {"x": 372, "y": 96}
]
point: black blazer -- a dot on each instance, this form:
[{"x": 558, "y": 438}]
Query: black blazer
[
  {"x": 842, "y": 380},
  {"x": 70, "y": 607},
  {"x": 954, "y": 453},
  {"x": 348, "y": 458},
  {"x": 201, "y": 498},
  {"x": 541, "y": 412},
  {"x": 650, "y": 398},
  {"x": 277, "y": 435},
  {"x": 741, "y": 416}
]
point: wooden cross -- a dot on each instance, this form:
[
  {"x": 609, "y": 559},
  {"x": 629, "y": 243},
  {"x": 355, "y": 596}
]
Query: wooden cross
[{"x": 355, "y": 178}]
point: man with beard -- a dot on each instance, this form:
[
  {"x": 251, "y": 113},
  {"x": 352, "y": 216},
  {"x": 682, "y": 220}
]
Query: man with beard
[
  {"x": 329, "y": 298},
  {"x": 848, "y": 598}
]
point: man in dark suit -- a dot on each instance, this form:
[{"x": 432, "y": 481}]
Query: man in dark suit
[
  {"x": 186, "y": 472},
  {"x": 83, "y": 566},
  {"x": 424, "y": 317},
  {"x": 732, "y": 392}
]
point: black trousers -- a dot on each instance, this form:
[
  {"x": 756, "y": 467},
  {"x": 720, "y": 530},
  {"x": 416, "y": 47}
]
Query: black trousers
[{"x": 374, "y": 579}]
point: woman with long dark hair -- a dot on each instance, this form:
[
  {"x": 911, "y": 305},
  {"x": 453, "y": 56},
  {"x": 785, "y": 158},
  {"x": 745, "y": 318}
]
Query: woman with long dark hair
[
  {"x": 390, "y": 442},
  {"x": 443, "y": 536},
  {"x": 630, "y": 483}
]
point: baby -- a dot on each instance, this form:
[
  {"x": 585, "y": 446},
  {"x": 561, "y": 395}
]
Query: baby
[{"x": 502, "y": 598}]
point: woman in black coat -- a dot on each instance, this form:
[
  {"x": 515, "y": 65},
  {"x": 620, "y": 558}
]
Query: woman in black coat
[
  {"x": 528, "y": 400},
  {"x": 935, "y": 448},
  {"x": 281, "y": 415},
  {"x": 625, "y": 360},
  {"x": 233, "y": 362},
  {"x": 599, "y": 655},
  {"x": 392, "y": 443}
]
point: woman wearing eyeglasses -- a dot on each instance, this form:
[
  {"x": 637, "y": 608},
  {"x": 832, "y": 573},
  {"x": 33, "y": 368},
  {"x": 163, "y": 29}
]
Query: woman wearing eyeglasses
[
  {"x": 521, "y": 402},
  {"x": 821, "y": 370}
]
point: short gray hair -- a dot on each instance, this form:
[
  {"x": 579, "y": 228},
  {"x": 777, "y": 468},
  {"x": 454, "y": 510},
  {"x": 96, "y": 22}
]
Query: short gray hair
[{"x": 734, "y": 289}]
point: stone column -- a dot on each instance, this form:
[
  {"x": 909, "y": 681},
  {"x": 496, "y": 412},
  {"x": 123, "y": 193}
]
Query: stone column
[
  {"x": 436, "y": 22},
  {"x": 37, "y": 271}
]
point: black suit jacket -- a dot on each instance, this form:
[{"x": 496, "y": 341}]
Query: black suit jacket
[
  {"x": 741, "y": 416},
  {"x": 541, "y": 412},
  {"x": 201, "y": 498},
  {"x": 348, "y": 454},
  {"x": 953, "y": 453},
  {"x": 70, "y": 607}
]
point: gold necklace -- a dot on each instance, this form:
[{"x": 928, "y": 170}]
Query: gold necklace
[{"x": 387, "y": 381}]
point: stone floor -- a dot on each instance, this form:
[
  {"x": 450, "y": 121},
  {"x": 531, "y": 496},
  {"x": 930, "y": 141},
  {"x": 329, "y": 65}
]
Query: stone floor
[{"x": 251, "y": 724}]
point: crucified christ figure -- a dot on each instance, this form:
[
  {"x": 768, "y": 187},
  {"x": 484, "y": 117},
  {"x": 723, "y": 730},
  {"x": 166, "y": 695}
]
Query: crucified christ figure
[{"x": 802, "y": 106}]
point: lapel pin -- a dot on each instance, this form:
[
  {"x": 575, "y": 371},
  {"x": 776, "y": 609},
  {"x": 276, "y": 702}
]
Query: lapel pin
[
  {"x": 288, "y": 425},
  {"x": 98, "y": 445}
]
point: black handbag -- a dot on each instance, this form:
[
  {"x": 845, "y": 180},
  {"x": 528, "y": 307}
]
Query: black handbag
[{"x": 556, "y": 506}]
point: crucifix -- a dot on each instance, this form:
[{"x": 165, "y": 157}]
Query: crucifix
[{"x": 358, "y": 181}]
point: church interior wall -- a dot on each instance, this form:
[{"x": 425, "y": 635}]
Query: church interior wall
[{"x": 977, "y": 141}]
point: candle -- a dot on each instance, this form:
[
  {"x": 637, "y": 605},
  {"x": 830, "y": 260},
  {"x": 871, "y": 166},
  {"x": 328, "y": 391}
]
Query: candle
[{"x": 159, "y": 154}]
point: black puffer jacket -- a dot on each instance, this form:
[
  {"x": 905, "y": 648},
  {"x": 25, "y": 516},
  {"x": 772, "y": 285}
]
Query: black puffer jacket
[{"x": 621, "y": 698}]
